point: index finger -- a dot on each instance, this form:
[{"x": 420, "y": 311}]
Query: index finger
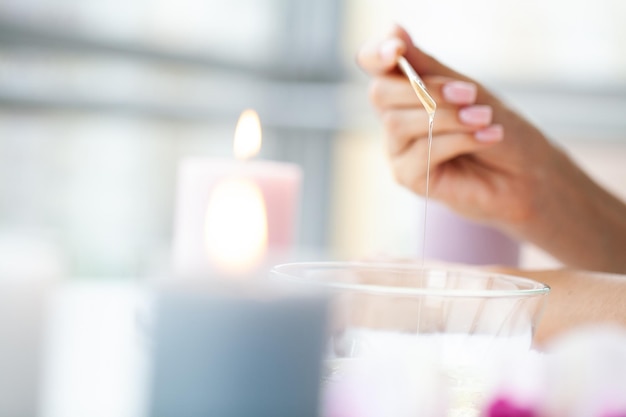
[{"x": 379, "y": 57}]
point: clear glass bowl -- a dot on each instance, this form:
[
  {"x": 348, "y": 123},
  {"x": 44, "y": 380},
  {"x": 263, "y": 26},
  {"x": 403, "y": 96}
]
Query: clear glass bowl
[{"x": 462, "y": 319}]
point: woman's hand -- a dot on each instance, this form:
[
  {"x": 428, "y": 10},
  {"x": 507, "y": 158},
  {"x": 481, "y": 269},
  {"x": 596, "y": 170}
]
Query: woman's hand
[
  {"x": 488, "y": 163},
  {"x": 483, "y": 158}
]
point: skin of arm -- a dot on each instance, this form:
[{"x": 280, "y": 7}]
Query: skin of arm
[
  {"x": 488, "y": 163},
  {"x": 577, "y": 298}
]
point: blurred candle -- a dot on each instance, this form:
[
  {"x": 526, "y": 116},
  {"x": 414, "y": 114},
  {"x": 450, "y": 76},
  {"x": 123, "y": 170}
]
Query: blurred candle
[
  {"x": 452, "y": 238},
  {"x": 229, "y": 355},
  {"x": 232, "y": 214},
  {"x": 30, "y": 266}
]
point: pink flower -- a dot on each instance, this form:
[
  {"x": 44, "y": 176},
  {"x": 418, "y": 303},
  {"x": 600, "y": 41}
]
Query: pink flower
[{"x": 505, "y": 407}]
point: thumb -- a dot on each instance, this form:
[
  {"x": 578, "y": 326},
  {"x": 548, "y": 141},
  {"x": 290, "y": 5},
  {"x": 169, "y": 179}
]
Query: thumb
[{"x": 423, "y": 63}]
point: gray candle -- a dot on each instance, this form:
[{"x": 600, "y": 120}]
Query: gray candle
[{"x": 228, "y": 356}]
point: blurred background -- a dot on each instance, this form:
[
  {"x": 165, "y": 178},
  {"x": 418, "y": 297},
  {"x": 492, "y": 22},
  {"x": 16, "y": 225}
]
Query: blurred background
[{"x": 99, "y": 100}]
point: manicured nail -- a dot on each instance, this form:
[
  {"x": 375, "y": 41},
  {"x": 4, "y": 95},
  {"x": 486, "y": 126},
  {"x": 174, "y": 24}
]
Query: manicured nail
[
  {"x": 493, "y": 133},
  {"x": 476, "y": 115},
  {"x": 389, "y": 50},
  {"x": 460, "y": 92}
]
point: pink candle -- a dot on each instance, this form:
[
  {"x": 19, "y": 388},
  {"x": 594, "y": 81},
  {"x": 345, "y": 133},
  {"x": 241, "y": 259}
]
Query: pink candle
[{"x": 218, "y": 203}]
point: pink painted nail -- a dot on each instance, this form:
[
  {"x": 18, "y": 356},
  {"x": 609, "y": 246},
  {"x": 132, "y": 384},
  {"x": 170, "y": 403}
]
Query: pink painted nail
[
  {"x": 476, "y": 115},
  {"x": 493, "y": 133},
  {"x": 460, "y": 92},
  {"x": 389, "y": 50}
]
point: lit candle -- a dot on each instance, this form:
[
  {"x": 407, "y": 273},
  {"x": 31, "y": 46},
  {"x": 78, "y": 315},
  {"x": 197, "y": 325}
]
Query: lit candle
[{"x": 232, "y": 215}]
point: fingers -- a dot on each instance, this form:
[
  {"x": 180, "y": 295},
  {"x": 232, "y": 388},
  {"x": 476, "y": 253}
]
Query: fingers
[
  {"x": 405, "y": 125},
  {"x": 394, "y": 91},
  {"x": 423, "y": 63},
  {"x": 458, "y": 92},
  {"x": 379, "y": 56},
  {"x": 410, "y": 166},
  {"x": 490, "y": 134},
  {"x": 402, "y": 127}
]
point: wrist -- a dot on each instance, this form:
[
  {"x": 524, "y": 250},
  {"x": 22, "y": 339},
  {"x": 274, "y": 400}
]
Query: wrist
[{"x": 574, "y": 219}]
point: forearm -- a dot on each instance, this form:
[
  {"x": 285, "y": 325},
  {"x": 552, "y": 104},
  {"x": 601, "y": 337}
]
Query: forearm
[
  {"x": 580, "y": 298},
  {"x": 577, "y": 298},
  {"x": 576, "y": 220}
]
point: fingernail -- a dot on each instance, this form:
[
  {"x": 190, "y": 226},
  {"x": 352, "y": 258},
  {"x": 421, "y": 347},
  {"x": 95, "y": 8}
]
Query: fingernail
[
  {"x": 494, "y": 133},
  {"x": 476, "y": 115},
  {"x": 389, "y": 50},
  {"x": 460, "y": 92}
]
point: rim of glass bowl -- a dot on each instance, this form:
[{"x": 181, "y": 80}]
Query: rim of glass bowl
[{"x": 537, "y": 288}]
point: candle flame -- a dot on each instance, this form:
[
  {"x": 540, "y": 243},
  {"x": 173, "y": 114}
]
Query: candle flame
[
  {"x": 247, "y": 135},
  {"x": 236, "y": 226}
]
